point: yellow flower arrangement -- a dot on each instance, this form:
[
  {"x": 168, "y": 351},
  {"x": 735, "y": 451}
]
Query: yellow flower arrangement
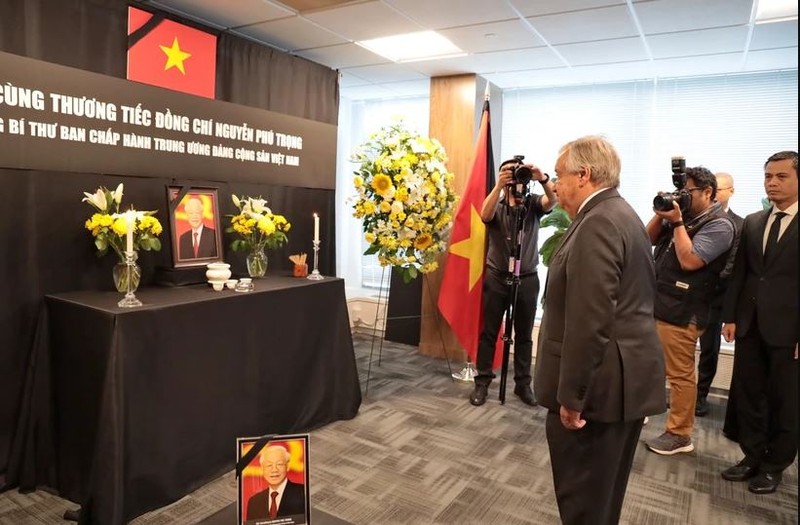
[
  {"x": 256, "y": 225},
  {"x": 109, "y": 226},
  {"x": 405, "y": 198}
]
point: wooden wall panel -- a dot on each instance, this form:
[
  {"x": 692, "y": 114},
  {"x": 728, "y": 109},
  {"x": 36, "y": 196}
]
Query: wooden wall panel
[{"x": 455, "y": 106}]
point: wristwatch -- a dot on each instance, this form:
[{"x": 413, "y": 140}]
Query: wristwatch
[{"x": 545, "y": 181}]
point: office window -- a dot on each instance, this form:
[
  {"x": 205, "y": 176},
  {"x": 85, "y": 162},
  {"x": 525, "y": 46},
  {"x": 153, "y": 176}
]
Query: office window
[{"x": 730, "y": 123}]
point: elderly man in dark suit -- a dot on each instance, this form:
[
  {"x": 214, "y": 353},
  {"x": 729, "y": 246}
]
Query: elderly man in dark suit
[
  {"x": 199, "y": 242},
  {"x": 599, "y": 364},
  {"x": 761, "y": 312},
  {"x": 282, "y": 499}
]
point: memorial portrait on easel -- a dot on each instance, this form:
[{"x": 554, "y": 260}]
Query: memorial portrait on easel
[
  {"x": 273, "y": 480},
  {"x": 194, "y": 226}
]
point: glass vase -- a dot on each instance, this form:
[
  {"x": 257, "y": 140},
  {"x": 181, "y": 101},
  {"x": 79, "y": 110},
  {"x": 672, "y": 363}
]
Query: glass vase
[
  {"x": 127, "y": 275},
  {"x": 257, "y": 263}
]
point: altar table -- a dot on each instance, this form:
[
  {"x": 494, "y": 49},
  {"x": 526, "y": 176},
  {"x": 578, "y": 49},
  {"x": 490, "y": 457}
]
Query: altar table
[{"x": 127, "y": 410}]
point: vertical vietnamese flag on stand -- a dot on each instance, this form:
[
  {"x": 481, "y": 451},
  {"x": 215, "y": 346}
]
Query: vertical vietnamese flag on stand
[
  {"x": 171, "y": 55},
  {"x": 461, "y": 290}
]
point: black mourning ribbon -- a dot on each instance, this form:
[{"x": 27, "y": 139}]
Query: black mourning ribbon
[
  {"x": 252, "y": 453},
  {"x": 148, "y": 26}
]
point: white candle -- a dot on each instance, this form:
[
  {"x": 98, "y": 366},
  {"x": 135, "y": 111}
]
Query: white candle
[
  {"x": 130, "y": 218},
  {"x": 316, "y": 228}
]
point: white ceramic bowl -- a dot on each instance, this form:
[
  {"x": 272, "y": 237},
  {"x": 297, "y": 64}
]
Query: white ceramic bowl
[
  {"x": 231, "y": 283},
  {"x": 217, "y": 285}
]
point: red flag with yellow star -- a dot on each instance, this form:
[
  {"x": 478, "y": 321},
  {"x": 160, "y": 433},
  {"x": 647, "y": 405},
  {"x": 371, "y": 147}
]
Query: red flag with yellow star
[
  {"x": 170, "y": 55},
  {"x": 461, "y": 290}
]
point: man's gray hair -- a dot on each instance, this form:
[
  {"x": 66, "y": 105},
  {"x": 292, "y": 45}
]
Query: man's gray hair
[{"x": 596, "y": 153}]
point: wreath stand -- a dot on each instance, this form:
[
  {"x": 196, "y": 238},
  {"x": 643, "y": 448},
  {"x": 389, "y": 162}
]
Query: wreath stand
[{"x": 453, "y": 376}]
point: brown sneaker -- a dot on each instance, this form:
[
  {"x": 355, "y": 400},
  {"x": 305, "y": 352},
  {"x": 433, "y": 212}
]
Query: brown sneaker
[{"x": 668, "y": 444}]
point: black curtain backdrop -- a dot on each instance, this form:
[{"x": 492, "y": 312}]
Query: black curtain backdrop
[{"x": 45, "y": 248}]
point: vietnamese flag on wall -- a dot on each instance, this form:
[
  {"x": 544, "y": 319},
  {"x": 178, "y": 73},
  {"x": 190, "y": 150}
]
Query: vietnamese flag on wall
[
  {"x": 171, "y": 55},
  {"x": 461, "y": 290}
]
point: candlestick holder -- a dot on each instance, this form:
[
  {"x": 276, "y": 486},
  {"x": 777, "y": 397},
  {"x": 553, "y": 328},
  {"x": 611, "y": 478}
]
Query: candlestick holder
[
  {"x": 131, "y": 273},
  {"x": 315, "y": 275}
]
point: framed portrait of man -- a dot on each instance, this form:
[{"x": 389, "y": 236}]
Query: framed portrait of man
[
  {"x": 273, "y": 481},
  {"x": 194, "y": 225}
]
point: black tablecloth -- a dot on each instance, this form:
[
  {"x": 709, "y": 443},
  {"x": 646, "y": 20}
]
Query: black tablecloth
[{"x": 126, "y": 410}]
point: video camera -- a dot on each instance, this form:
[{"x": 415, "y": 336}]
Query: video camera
[
  {"x": 521, "y": 176},
  {"x": 663, "y": 201}
]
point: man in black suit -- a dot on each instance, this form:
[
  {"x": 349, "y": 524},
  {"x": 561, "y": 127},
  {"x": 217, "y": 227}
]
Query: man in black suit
[
  {"x": 761, "y": 312},
  {"x": 283, "y": 499},
  {"x": 710, "y": 340},
  {"x": 199, "y": 242},
  {"x": 599, "y": 364}
]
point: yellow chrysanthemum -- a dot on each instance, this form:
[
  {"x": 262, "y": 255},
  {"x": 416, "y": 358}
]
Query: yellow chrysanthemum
[
  {"x": 266, "y": 225},
  {"x": 120, "y": 227}
]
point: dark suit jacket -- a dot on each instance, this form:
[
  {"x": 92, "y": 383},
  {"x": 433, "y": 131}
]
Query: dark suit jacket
[
  {"x": 598, "y": 351},
  {"x": 207, "y": 248},
  {"x": 765, "y": 290},
  {"x": 293, "y": 503}
]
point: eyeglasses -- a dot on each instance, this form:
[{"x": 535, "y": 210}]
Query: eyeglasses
[
  {"x": 694, "y": 189},
  {"x": 725, "y": 189},
  {"x": 270, "y": 466}
]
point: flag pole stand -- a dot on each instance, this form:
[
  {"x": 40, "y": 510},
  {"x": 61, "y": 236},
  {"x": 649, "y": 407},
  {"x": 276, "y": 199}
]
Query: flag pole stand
[{"x": 467, "y": 374}]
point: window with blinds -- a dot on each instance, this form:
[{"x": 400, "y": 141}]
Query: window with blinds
[{"x": 730, "y": 123}]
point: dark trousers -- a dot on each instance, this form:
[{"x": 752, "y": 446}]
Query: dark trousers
[
  {"x": 765, "y": 376},
  {"x": 496, "y": 297},
  {"x": 709, "y": 351},
  {"x": 591, "y": 468}
]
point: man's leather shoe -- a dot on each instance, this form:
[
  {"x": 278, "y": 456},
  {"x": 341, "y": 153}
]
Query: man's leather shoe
[
  {"x": 740, "y": 471},
  {"x": 701, "y": 407},
  {"x": 525, "y": 393},
  {"x": 765, "y": 483},
  {"x": 478, "y": 396}
]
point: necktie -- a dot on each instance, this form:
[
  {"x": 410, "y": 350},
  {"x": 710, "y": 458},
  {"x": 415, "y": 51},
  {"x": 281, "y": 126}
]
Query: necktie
[
  {"x": 774, "y": 230},
  {"x": 273, "y": 505},
  {"x": 195, "y": 245}
]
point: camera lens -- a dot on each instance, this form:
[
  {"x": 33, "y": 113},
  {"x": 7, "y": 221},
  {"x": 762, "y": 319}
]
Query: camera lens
[
  {"x": 523, "y": 175},
  {"x": 663, "y": 202}
]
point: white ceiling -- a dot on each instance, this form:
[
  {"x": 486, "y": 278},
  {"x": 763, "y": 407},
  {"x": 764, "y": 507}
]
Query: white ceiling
[{"x": 512, "y": 43}]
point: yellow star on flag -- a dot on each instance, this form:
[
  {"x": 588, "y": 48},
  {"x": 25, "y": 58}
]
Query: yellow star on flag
[
  {"x": 175, "y": 56},
  {"x": 472, "y": 247}
]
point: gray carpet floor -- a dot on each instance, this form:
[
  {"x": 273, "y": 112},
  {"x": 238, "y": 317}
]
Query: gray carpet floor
[{"x": 419, "y": 453}]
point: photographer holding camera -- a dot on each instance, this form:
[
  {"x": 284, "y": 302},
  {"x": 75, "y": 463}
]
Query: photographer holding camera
[
  {"x": 693, "y": 237},
  {"x": 508, "y": 199}
]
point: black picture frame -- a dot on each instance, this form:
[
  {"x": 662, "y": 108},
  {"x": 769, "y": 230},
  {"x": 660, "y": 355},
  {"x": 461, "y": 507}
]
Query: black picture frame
[
  {"x": 253, "y": 486},
  {"x": 209, "y": 240}
]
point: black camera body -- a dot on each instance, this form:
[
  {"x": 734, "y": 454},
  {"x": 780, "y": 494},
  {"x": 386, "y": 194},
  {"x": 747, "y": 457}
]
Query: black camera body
[
  {"x": 664, "y": 201},
  {"x": 521, "y": 176}
]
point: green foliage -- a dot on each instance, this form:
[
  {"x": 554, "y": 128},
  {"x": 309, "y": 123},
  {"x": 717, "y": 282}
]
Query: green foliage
[{"x": 559, "y": 220}]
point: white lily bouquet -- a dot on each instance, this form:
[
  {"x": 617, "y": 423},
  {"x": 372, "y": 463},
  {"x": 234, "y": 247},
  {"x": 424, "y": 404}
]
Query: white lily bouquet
[{"x": 109, "y": 226}]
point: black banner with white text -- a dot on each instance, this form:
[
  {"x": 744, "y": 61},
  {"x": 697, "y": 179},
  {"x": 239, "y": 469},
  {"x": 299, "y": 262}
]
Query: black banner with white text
[{"x": 63, "y": 119}]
